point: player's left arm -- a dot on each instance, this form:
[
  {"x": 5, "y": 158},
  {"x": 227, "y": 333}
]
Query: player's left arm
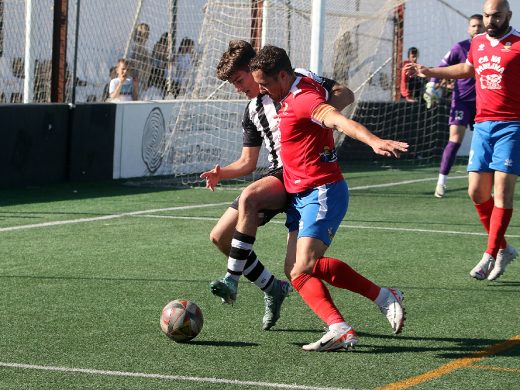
[
  {"x": 341, "y": 97},
  {"x": 332, "y": 118}
]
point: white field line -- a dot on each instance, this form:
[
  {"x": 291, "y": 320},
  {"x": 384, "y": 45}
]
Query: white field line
[
  {"x": 398, "y": 183},
  {"x": 402, "y": 182},
  {"x": 397, "y": 229},
  {"x": 177, "y": 378},
  {"x": 134, "y": 213},
  {"x": 110, "y": 216}
]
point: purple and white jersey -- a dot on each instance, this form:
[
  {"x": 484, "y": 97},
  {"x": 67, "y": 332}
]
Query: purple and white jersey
[{"x": 464, "y": 88}]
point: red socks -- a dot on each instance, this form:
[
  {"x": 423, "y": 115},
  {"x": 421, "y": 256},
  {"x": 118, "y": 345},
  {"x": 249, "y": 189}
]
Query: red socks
[
  {"x": 340, "y": 274},
  {"x": 317, "y": 297},
  {"x": 497, "y": 229},
  {"x": 486, "y": 211}
]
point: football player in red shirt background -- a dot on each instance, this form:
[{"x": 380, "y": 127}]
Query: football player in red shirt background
[{"x": 494, "y": 160}]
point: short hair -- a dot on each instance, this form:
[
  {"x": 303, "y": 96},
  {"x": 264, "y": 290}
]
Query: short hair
[
  {"x": 123, "y": 61},
  {"x": 237, "y": 57},
  {"x": 413, "y": 50},
  {"x": 271, "y": 60},
  {"x": 476, "y": 16}
]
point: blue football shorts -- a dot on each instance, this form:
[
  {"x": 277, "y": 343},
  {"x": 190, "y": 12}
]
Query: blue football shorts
[
  {"x": 319, "y": 211},
  {"x": 495, "y": 146}
]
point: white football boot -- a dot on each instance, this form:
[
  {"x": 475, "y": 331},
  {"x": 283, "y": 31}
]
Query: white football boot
[
  {"x": 483, "y": 268},
  {"x": 334, "y": 340},
  {"x": 504, "y": 257},
  {"x": 393, "y": 309}
]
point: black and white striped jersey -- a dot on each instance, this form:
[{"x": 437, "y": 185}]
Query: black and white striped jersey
[{"x": 261, "y": 124}]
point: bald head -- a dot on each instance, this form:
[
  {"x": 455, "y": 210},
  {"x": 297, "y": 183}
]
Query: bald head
[
  {"x": 497, "y": 15},
  {"x": 497, "y": 4}
]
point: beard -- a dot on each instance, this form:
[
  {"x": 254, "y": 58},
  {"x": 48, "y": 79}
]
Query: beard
[{"x": 497, "y": 31}]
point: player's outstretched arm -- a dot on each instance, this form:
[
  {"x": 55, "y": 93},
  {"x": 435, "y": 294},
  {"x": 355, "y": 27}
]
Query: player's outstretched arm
[
  {"x": 335, "y": 120},
  {"x": 457, "y": 71},
  {"x": 245, "y": 165}
]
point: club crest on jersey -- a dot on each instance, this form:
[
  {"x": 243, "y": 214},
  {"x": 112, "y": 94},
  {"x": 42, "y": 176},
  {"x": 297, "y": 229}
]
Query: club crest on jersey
[
  {"x": 283, "y": 109},
  {"x": 506, "y": 47},
  {"x": 491, "y": 81},
  {"x": 481, "y": 47},
  {"x": 328, "y": 155}
]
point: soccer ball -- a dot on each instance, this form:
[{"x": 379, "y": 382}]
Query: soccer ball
[{"x": 181, "y": 320}]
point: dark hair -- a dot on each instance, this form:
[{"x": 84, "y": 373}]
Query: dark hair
[
  {"x": 123, "y": 61},
  {"x": 413, "y": 50},
  {"x": 237, "y": 57},
  {"x": 271, "y": 60},
  {"x": 476, "y": 16}
]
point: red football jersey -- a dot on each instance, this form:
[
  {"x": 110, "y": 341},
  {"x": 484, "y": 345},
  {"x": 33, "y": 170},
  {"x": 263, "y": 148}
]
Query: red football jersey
[
  {"x": 497, "y": 74},
  {"x": 307, "y": 149}
]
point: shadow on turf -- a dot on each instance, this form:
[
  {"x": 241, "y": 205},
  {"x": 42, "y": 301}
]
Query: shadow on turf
[
  {"x": 233, "y": 344},
  {"x": 459, "y": 347}
]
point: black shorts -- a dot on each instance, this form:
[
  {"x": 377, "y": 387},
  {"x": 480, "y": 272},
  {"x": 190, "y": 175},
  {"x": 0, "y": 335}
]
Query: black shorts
[{"x": 266, "y": 215}]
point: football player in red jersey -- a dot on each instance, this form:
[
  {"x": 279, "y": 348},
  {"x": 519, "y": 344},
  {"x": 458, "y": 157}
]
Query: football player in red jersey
[
  {"x": 319, "y": 195},
  {"x": 494, "y": 160}
]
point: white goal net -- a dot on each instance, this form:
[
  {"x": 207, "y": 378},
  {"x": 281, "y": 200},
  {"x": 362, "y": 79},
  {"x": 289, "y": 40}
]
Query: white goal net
[{"x": 176, "y": 45}]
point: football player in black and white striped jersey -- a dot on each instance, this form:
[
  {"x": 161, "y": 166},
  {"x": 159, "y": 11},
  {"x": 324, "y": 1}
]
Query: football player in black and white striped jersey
[{"x": 235, "y": 232}]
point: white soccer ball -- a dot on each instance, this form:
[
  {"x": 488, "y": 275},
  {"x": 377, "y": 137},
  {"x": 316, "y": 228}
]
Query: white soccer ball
[{"x": 181, "y": 320}]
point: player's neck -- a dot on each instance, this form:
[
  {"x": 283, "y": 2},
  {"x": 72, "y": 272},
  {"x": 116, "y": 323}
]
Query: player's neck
[{"x": 507, "y": 32}]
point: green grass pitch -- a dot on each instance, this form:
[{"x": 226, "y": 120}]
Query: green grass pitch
[{"x": 86, "y": 269}]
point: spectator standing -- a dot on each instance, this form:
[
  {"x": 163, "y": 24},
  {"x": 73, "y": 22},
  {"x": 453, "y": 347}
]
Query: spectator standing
[{"x": 411, "y": 86}]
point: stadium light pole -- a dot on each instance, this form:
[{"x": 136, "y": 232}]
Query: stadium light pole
[{"x": 317, "y": 28}]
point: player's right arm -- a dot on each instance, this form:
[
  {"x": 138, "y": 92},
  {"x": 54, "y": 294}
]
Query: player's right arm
[
  {"x": 245, "y": 165},
  {"x": 457, "y": 71}
]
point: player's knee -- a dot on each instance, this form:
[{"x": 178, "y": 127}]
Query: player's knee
[
  {"x": 216, "y": 237},
  {"x": 477, "y": 196},
  {"x": 298, "y": 269},
  {"x": 249, "y": 201}
]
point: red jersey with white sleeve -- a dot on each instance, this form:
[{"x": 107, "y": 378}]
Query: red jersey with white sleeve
[
  {"x": 497, "y": 73},
  {"x": 307, "y": 148}
]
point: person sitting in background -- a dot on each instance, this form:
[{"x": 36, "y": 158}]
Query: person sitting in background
[{"x": 123, "y": 87}]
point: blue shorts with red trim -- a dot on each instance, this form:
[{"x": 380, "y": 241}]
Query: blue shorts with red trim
[
  {"x": 495, "y": 146},
  {"x": 319, "y": 211}
]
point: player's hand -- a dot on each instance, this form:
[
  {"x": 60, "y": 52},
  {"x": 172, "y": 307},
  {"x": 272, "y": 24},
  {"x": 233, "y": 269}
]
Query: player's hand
[
  {"x": 212, "y": 177},
  {"x": 389, "y": 148},
  {"x": 416, "y": 70}
]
